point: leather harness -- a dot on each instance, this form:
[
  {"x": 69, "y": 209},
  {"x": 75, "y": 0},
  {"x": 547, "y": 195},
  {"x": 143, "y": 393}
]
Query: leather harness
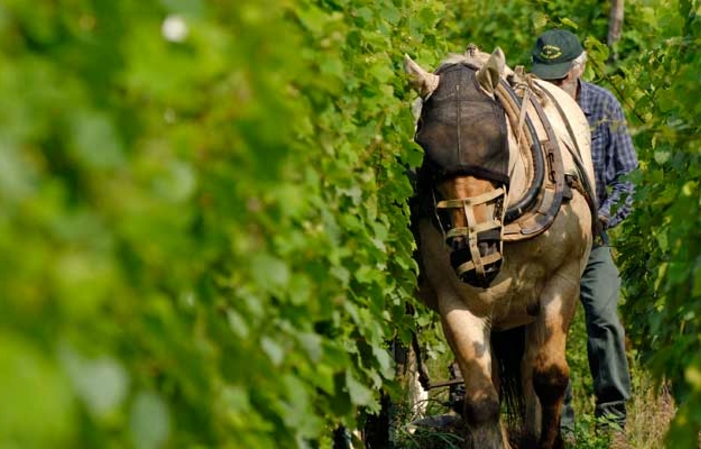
[{"x": 555, "y": 188}]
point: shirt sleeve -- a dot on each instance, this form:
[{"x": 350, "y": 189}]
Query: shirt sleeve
[{"x": 621, "y": 160}]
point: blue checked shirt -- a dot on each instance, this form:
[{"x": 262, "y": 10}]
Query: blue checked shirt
[{"x": 612, "y": 151}]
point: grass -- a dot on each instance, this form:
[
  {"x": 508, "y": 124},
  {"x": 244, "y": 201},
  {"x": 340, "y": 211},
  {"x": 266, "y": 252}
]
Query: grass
[{"x": 650, "y": 412}]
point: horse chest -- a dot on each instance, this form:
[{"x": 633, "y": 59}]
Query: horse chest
[{"x": 510, "y": 303}]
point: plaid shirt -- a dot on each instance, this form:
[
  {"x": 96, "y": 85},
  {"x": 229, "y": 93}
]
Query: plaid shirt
[{"x": 612, "y": 151}]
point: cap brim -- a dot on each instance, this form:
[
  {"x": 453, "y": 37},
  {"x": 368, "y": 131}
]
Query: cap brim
[{"x": 551, "y": 71}]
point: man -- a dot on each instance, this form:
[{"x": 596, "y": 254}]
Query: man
[{"x": 558, "y": 57}]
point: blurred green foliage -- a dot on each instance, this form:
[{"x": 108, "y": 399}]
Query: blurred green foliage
[
  {"x": 514, "y": 24},
  {"x": 203, "y": 236}
]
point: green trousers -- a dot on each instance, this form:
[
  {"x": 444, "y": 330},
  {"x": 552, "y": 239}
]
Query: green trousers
[{"x": 600, "y": 289}]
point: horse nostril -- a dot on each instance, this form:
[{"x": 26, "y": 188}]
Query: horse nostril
[
  {"x": 459, "y": 256},
  {"x": 485, "y": 247},
  {"x": 488, "y": 247},
  {"x": 458, "y": 243}
]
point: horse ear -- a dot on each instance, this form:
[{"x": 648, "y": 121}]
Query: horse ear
[
  {"x": 422, "y": 81},
  {"x": 488, "y": 76}
]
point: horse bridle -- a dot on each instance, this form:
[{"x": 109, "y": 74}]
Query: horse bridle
[{"x": 475, "y": 232}]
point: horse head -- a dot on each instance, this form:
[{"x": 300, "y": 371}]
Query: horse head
[{"x": 462, "y": 129}]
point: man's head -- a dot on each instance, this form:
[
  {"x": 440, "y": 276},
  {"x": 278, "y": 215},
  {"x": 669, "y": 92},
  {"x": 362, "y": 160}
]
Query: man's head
[
  {"x": 554, "y": 53},
  {"x": 558, "y": 57}
]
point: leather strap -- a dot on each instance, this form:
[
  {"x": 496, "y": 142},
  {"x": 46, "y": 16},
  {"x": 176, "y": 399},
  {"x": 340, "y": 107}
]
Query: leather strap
[{"x": 541, "y": 213}]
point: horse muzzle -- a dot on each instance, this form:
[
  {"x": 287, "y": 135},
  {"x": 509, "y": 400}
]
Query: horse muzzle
[{"x": 476, "y": 250}]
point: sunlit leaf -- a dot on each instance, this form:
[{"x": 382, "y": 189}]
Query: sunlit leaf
[
  {"x": 359, "y": 393},
  {"x": 149, "y": 421},
  {"x": 102, "y": 383},
  {"x": 39, "y": 410}
]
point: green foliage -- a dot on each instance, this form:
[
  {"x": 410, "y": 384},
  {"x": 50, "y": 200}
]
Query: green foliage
[
  {"x": 203, "y": 238},
  {"x": 585, "y": 436},
  {"x": 513, "y": 24},
  {"x": 662, "y": 287}
]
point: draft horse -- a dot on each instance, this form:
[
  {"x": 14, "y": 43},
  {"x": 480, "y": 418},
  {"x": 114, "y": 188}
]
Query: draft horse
[{"x": 503, "y": 225}]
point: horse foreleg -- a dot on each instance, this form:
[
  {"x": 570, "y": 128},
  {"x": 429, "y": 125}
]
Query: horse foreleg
[
  {"x": 468, "y": 336},
  {"x": 546, "y": 340}
]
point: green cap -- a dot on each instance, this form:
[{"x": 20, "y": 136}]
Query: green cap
[{"x": 553, "y": 54}]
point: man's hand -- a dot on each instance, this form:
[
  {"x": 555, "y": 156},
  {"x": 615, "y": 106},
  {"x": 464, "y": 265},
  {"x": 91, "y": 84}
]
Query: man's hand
[{"x": 604, "y": 220}]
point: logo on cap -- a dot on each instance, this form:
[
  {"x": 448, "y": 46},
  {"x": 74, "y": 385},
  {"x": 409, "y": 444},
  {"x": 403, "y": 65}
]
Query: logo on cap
[{"x": 550, "y": 52}]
